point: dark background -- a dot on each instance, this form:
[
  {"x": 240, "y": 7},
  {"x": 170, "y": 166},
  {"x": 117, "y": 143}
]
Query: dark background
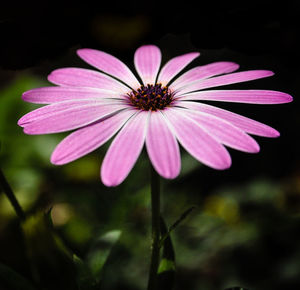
[
  {"x": 33, "y": 32},
  {"x": 39, "y": 37}
]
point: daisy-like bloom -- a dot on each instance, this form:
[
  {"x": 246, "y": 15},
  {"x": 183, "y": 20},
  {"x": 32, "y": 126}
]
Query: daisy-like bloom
[{"x": 160, "y": 110}]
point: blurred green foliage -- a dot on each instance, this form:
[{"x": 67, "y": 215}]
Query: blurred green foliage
[{"x": 241, "y": 232}]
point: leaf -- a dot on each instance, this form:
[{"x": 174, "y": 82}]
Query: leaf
[
  {"x": 100, "y": 251},
  {"x": 85, "y": 280},
  {"x": 177, "y": 222},
  {"x": 13, "y": 280},
  {"x": 181, "y": 218},
  {"x": 47, "y": 253},
  {"x": 167, "y": 266},
  {"x": 89, "y": 270}
]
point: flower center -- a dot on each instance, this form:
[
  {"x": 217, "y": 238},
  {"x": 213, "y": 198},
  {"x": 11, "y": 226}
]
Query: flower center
[{"x": 151, "y": 97}]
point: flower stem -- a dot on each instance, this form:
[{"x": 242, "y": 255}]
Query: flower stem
[
  {"x": 155, "y": 209},
  {"x": 11, "y": 197}
]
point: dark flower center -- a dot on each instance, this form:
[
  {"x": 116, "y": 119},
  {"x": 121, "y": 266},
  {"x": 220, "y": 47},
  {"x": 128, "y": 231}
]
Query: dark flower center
[{"x": 151, "y": 97}]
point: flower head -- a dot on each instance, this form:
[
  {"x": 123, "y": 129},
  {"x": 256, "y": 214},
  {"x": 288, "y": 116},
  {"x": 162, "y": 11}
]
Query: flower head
[{"x": 161, "y": 111}]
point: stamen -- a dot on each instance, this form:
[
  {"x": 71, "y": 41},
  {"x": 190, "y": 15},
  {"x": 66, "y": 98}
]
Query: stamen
[{"x": 151, "y": 97}]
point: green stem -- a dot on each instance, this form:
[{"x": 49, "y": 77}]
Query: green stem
[
  {"x": 155, "y": 209},
  {"x": 11, "y": 197}
]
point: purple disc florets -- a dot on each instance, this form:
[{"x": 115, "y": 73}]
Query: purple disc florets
[{"x": 151, "y": 97}]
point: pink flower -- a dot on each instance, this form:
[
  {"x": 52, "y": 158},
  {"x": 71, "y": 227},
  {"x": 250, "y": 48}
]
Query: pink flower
[{"x": 159, "y": 111}]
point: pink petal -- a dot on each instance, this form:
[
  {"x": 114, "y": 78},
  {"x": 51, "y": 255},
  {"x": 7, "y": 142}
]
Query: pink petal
[
  {"x": 65, "y": 116},
  {"x": 50, "y": 110},
  {"x": 89, "y": 138},
  {"x": 225, "y": 80},
  {"x": 203, "y": 72},
  {"x": 53, "y": 109},
  {"x": 224, "y": 132},
  {"x": 124, "y": 150},
  {"x": 197, "y": 141},
  {"x": 248, "y": 125},
  {"x": 162, "y": 147},
  {"x": 147, "y": 60},
  {"x": 48, "y": 95},
  {"x": 80, "y": 77},
  {"x": 109, "y": 64},
  {"x": 174, "y": 66},
  {"x": 241, "y": 96}
]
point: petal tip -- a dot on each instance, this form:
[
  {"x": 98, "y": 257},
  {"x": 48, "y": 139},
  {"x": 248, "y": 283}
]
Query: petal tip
[
  {"x": 273, "y": 133},
  {"x": 23, "y": 121},
  {"x": 107, "y": 179},
  {"x": 29, "y": 96},
  {"x": 55, "y": 162},
  {"x": 269, "y": 72},
  {"x": 25, "y": 96},
  {"x": 276, "y": 134},
  {"x": 50, "y": 78},
  {"x": 82, "y": 51},
  {"x": 169, "y": 175},
  {"x": 195, "y": 54},
  {"x": 58, "y": 159},
  {"x": 109, "y": 183},
  {"x": 235, "y": 66},
  {"x": 29, "y": 131},
  {"x": 232, "y": 66},
  {"x": 222, "y": 166},
  {"x": 148, "y": 46},
  {"x": 54, "y": 159},
  {"x": 288, "y": 98},
  {"x": 255, "y": 148},
  {"x": 20, "y": 122},
  {"x": 225, "y": 165}
]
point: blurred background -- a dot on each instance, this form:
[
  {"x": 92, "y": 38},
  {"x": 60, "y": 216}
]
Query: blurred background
[{"x": 245, "y": 228}]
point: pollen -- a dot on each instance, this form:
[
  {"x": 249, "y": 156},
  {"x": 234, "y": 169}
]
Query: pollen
[{"x": 151, "y": 97}]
